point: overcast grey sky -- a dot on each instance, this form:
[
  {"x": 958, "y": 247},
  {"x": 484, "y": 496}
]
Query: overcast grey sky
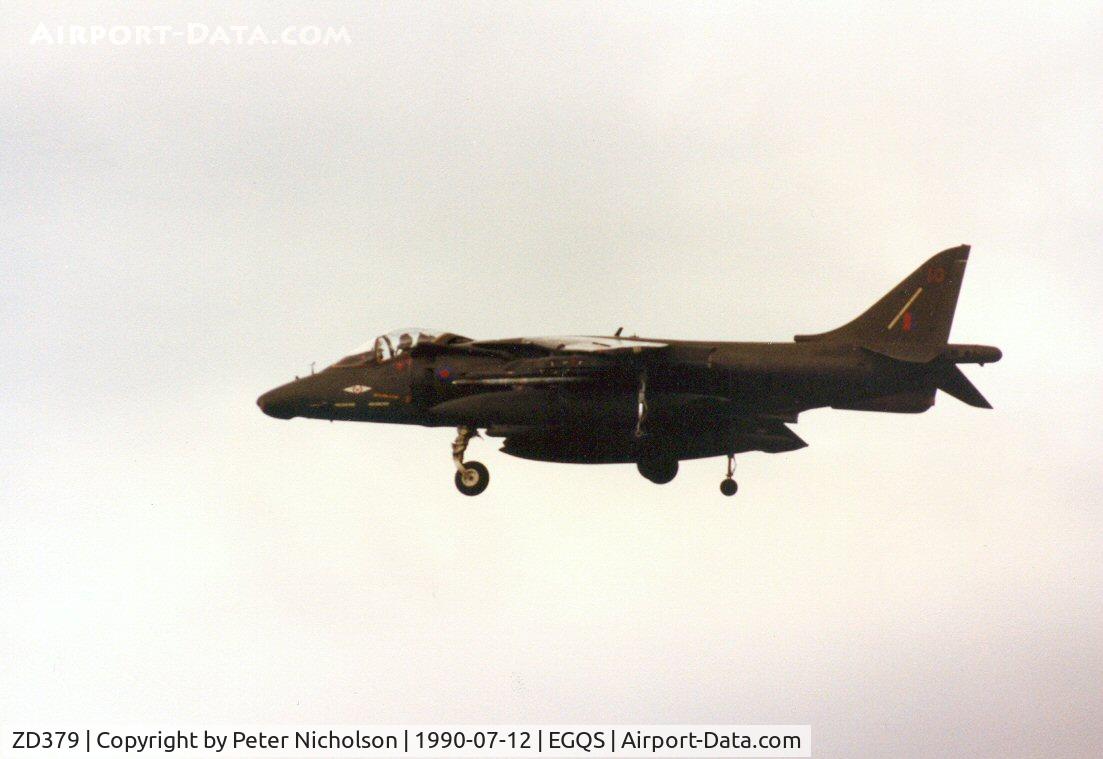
[{"x": 185, "y": 226}]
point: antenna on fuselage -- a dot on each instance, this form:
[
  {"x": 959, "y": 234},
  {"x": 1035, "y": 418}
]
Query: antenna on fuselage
[
  {"x": 312, "y": 363},
  {"x": 619, "y": 330}
]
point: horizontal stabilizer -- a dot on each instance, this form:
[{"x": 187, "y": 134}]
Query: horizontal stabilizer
[{"x": 954, "y": 382}]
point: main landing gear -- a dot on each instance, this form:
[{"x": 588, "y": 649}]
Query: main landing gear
[
  {"x": 641, "y": 415},
  {"x": 472, "y": 477},
  {"x": 653, "y": 464},
  {"x": 658, "y": 469},
  {"x": 728, "y": 485}
]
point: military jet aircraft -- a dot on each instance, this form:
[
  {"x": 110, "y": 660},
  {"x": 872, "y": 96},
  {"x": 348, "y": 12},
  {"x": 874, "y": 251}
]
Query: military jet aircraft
[{"x": 651, "y": 402}]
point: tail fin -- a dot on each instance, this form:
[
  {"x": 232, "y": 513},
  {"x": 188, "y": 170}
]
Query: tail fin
[{"x": 912, "y": 321}]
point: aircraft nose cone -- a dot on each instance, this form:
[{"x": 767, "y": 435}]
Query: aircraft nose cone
[{"x": 275, "y": 403}]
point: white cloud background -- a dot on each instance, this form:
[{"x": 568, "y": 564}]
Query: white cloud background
[{"x": 184, "y": 227}]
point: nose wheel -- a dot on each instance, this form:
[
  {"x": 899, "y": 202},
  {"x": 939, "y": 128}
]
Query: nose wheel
[
  {"x": 471, "y": 477},
  {"x": 728, "y": 485}
]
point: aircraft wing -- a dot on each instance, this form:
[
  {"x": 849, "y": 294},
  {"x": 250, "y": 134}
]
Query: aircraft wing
[
  {"x": 551, "y": 369},
  {"x": 518, "y": 381},
  {"x": 558, "y": 360},
  {"x": 572, "y": 344}
]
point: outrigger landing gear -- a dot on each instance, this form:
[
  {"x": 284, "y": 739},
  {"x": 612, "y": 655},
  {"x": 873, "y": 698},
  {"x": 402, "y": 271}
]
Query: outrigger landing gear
[
  {"x": 728, "y": 485},
  {"x": 472, "y": 477}
]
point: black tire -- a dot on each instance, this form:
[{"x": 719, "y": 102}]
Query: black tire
[
  {"x": 474, "y": 479},
  {"x": 728, "y": 487},
  {"x": 658, "y": 470}
]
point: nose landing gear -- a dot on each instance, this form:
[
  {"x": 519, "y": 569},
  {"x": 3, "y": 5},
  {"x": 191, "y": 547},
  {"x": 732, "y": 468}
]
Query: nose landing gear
[
  {"x": 728, "y": 485},
  {"x": 472, "y": 477}
]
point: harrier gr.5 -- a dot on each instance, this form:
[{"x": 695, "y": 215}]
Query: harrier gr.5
[{"x": 651, "y": 402}]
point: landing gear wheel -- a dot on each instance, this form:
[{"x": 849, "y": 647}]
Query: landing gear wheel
[
  {"x": 658, "y": 470},
  {"x": 473, "y": 479},
  {"x": 727, "y": 485}
]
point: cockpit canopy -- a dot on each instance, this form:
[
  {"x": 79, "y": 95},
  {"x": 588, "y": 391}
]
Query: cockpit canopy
[{"x": 388, "y": 346}]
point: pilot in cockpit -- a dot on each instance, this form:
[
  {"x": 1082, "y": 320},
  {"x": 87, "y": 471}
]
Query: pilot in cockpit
[
  {"x": 405, "y": 342},
  {"x": 382, "y": 349},
  {"x": 385, "y": 347}
]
